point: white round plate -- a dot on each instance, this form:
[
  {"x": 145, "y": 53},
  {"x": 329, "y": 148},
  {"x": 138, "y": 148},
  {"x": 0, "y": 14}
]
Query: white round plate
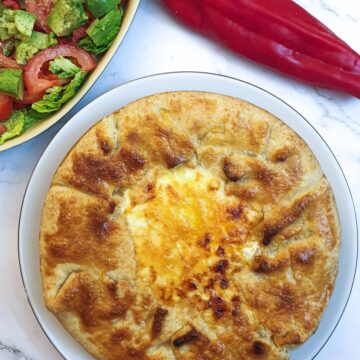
[{"x": 117, "y": 98}]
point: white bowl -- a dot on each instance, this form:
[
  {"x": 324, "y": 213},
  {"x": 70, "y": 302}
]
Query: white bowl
[{"x": 107, "y": 103}]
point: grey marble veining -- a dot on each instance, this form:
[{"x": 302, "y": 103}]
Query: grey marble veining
[
  {"x": 155, "y": 44},
  {"x": 17, "y": 354},
  {"x": 334, "y": 110}
]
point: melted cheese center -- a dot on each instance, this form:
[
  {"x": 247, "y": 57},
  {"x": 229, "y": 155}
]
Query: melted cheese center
[{"x": 185, "y": 230}]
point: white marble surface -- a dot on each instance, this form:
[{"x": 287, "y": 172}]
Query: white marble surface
[{"x": 154, "y": 44}]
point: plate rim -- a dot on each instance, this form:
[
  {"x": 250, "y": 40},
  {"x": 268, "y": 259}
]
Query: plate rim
[{"x": 201, "y": 73}]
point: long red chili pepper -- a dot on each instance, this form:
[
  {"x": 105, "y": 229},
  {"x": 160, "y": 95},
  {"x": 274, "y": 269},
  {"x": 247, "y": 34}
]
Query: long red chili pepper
[{"x": 279, "y": 34}]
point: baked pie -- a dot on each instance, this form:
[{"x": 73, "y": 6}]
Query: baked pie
[{"x": 187, "y": 226}]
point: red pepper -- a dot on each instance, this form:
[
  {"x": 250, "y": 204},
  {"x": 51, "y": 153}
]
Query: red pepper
[
  {"x": 13, "y": 4},
  {"x": 79, "y": 33},
  {"x": 279, "y": 34}
]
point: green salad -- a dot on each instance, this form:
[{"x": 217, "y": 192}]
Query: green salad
[{"x": 47, "y": 48}]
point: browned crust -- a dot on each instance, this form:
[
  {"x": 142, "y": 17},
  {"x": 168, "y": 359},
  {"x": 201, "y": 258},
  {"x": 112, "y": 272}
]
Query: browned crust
[
  {"x": 240, "y": 307},
  {"x": 159, "y": 317}
]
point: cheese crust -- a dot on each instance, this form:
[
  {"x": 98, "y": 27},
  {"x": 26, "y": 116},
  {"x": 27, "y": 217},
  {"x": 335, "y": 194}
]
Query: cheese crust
[{"x": 189, "y": 226}]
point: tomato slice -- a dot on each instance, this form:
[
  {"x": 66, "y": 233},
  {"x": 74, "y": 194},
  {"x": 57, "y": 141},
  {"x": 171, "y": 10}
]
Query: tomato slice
[
  {"x": 2, "y": 129},
  {"x": 36, "y": 84},
  {"x": 6, "y": 107},
  {"x": 41, "y": 10},
  {"x": 28, "y": 99},
  {"x": 13, "y": 4},
  {"x": 6, "y": 62}
]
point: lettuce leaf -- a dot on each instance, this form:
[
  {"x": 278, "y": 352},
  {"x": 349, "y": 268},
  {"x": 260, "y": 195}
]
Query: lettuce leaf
[
  {"x": 63, "y": 67},
  {"x": 32, "y": 117},
  {"x": 59, "y": 95},
  {"x": 14, "y": 126},
  {"x": 19, "y": 122},
  {"x": 88, "y": 45}
]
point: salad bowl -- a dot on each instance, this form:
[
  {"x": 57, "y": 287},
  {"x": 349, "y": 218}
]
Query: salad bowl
[{"x": 40, "y": 127}]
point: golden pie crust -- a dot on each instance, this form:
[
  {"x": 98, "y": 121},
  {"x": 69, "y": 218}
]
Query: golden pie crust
[{"x": 189, "y": 226}]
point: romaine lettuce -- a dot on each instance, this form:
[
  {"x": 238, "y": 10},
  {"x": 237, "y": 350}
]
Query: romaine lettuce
[
  {"x": 19, "y": 122},
  {"x": 59, "y": 95},
  {"x": 63, "y": 67}
]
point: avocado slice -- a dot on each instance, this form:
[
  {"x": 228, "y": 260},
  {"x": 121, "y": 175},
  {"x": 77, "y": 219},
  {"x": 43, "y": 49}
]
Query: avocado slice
[
  {"x": 99, "y": 8},
  {"x": 66, "y": 16},
  {"x": 102, "y": 32},
  {"x": 24, "y": 22},
  {"x": 37, "y": 41},
  {"x": 11, "y": 82},
  {"x": 16, "y": 23}
]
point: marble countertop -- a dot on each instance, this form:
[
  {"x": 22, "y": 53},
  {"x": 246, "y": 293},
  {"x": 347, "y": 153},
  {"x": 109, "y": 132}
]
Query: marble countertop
[{"x": 156, "y": 43}]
